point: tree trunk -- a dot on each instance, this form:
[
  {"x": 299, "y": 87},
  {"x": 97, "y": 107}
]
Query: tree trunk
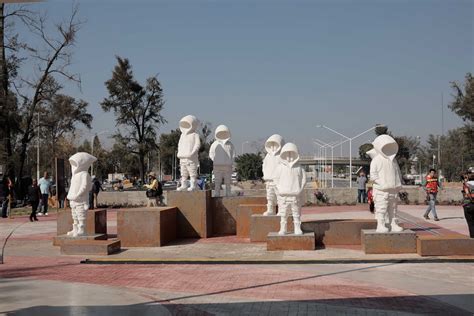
[
  {"x": 10, "y": 167},
  {"x": 141, "y": 158}
]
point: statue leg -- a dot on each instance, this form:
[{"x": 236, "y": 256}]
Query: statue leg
[
  {"x": 217, "y": 182},
  {"x": 184, "y": 176},
  {"x": 75, "y": 222},
  {"x": 296, "y": 212},
  {"x": 192, "y": 169},
  {"x": 381, "y": 205},
  {"x": 283, "y": 216},
  {"x": 227, "y": 182},
  {"x": 271, "y": 197},
  {"x": 81, "y": 218},
  {"x": 392, "y": 213}
]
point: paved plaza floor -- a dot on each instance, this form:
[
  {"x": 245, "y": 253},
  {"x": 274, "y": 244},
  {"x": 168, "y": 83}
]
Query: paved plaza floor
[{"x": 36, "y": 280}]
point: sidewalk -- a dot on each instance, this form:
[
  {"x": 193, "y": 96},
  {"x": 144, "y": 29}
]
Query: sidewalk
[{"x": 37, "y": 280}]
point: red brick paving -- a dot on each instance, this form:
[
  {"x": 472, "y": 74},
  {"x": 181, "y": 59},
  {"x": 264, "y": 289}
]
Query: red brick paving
[{"x": 251, "y": 282}]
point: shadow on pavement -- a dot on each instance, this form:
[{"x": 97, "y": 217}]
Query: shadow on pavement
[{"x": 415, "y": 305}]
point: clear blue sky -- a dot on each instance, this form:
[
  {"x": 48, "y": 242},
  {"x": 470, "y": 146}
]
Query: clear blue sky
[{"x": 264, "y": 67}]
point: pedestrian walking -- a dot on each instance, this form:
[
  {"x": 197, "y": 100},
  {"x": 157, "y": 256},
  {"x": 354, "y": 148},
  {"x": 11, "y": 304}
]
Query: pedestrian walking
[
  {"x": 45, "y": 188},
  {"x": 153, "y": 193},
  {"x": 468, "y": 201},
  {"x": 34, "y": 197},
  {"x": 431, "y": 186},
  {"x": 8, "y": 192},
  {"x": 361, "y": 182},
  {"x": 94, "y": 193}
]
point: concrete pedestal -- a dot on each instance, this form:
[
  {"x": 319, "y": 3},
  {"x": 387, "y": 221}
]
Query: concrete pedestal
[
  {"x": 225, "y": 212},
  {"x": 146, "y": 227},
  {"x": 96, "y": 222},
  {"x": 290, "y": 242},
  {"x": 456, "y": 245},
  {"x": 244, "y": 213},
  {"x": 337, "y": 231},
  {"x": 194, "y": 217},
  {"x": 90, "y": 247},
  {"x": 388, "y": 243},
  {"x": 261, "y": 226},
  {"x": 59, "y": 240}
]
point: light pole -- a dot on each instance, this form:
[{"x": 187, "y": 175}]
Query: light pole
[
  {"x": 350, "y": 144},
  {"x": 92, "y": 147},
  {"x": 246, "y": 142},
  {"x": 332, "y": 146},
  {"x": 38, "y": 151}
]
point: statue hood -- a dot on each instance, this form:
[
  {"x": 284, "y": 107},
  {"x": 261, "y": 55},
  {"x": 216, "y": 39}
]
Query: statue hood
[
  {"x": 274, "y": 140},
  {"x": 81, "y": 161},
  {"x": 289, "y": 150},
  {"x": 188, "y": 124},
  {"x": 222, "y": 133},
  {"x": 386, "y": 146}
]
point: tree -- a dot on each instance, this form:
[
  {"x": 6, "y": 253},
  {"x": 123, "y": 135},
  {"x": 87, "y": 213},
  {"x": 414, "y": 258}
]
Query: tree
[
  {"x": 249, "y": 166},
  {"x": 363, "y": 149},
  {"x": 168, "y": 147},
  {"x": 463, "y": 103},
  {"x": 137, "y": 109},
  {"x": 60, "y": 116},
  {"x": 205, "y": 163}
]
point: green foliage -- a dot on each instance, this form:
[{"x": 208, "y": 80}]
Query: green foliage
[
  {"x": 168, "y": 146},
  {"x": 249, "y": 166},
  {"x": 363, "y": 149},
  {"x": 463, "y": 103},
  {"x": 137, "y": 110}
]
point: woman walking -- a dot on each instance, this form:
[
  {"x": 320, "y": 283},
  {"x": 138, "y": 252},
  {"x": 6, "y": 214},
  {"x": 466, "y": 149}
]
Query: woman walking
[{"x": 34, "y": 196}]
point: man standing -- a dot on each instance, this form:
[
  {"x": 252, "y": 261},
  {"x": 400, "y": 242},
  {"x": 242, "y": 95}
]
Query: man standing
[
  {"x": 431, "y": 188},
  {"x": 361, "y": 181},
  {"x": 45, "y": 188}
]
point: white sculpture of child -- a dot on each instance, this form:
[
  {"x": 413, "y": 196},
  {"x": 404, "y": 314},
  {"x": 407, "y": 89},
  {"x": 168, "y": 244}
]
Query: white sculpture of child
[
  {"x": 386, "y": 176},
  {"x": 290, "y": 183},
  {"x": 78, "y": 194},
  {"x": 188, "y": 150},
  {"x": 222, "y": 155},
  {"x": 270, "y": 164}
]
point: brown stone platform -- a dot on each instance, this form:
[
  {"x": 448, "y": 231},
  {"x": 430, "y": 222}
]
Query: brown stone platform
[
  {"x": 337, "y": 231},
  {"x": 445, "y": 245},
  {"x": 90, "y": 247},
  {"x": 146, "y": 227},
  {"x": 388, "y": 243},
  {"x": 194, "y": 216},
  {"x": 244, "y": 213},
  {"x": 96, "y": 222},
  {"x": 225, "y": 217},
  {"x": 290, "y": 242},
  {"x": 261, "y": 226},
  {"x": 59, "y": 240}
]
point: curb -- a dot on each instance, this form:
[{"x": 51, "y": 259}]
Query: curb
[{"x": 198, "y": 261}]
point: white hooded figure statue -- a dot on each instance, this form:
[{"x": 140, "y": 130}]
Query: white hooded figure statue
[
  {"x": 386, "y": 176},
  {"x": 222, "y": 155},
  {"x": 188, "y": 150},
  {"x": 270, "y": 163},
  {"x": 78, "y": 194},
  {"x": 290, "y": 182}
]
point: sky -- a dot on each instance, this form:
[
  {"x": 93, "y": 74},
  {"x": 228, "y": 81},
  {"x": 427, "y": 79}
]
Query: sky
[{"x": 264, "y": 67}]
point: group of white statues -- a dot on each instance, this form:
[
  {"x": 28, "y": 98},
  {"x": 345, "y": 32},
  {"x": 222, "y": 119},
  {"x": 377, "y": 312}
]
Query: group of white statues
[{"x": 284, "y": 177}]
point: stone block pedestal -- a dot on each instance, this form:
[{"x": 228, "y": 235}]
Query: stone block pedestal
[
  {"x": 146, "y": 227},
  {"x": 194, "y": 216},
  {"x": 261, "y": 226},
  {"x": 90, "y": 247},
  {"x": 388, "y": 243},
  {"x": 59, "y": 240},
  {"x": 455, "y": 245},
  {"x": 244, "y": 214},
  {"x": 290, "y": 242},
  {"x": 339, "y": 232},
  {"x": 96, "y": 222}
]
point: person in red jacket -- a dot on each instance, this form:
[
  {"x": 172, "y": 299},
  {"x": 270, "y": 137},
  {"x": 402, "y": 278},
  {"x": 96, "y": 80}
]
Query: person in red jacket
[
  {"x": 431, "y": 187},
  {"x": 370, "y": 198}
]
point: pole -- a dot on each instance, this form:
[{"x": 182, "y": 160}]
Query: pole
[
  {"x": 92, "y": 153},
  {"x": 350, "y": 163},
  {"x": 332, "y": 167},
  {"x": 38, "y": 151}
]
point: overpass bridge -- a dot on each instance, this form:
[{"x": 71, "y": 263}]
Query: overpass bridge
[{"x": 338, "y": 161}]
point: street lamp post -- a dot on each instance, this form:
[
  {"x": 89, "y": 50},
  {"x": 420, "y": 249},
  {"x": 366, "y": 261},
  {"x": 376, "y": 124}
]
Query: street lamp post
[{"x": 350, "y": 144}]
